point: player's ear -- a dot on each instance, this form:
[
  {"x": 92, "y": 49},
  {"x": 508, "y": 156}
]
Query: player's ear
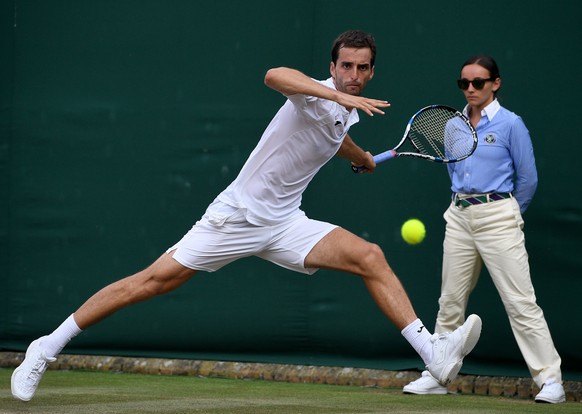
[
  {"x": 372, "y": 72},
  {"x": 332, "y": 69}
]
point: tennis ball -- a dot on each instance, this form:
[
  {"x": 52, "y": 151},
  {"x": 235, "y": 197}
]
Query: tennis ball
[{"x": 413, "y": 231}]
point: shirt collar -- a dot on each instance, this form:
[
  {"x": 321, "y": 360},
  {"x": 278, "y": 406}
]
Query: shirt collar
[
  {"x": 329, "y": 83},
  {"x": 352, "y": 115},
  {"x": 489, "y": 111}
]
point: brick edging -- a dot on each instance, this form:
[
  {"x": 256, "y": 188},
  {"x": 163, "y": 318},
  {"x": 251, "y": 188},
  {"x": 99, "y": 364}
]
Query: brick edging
[{"x": 465, "y": 384}]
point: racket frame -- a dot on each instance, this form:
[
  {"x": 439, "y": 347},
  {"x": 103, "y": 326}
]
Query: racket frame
[{"x": 393, "y": 153}]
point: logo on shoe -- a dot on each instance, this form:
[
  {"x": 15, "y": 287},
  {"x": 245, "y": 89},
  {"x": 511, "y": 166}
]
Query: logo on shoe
[
  {"x": 420, "y": 330},
  {"x": 441, "y": 355}
]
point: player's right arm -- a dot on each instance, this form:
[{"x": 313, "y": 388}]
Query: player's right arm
[{"x": 358, "y": 157}]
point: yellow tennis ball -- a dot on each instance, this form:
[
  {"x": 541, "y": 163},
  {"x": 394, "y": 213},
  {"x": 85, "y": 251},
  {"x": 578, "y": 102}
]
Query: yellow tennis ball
[{"x": 413, "y": 231}]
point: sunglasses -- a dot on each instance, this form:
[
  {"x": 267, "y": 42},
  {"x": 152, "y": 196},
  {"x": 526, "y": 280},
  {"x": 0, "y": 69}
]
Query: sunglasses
[{"x": 477, "y": 83}]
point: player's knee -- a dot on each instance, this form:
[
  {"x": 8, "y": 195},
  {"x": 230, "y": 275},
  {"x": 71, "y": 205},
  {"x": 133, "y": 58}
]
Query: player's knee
[{"x": 372, "y": 260}]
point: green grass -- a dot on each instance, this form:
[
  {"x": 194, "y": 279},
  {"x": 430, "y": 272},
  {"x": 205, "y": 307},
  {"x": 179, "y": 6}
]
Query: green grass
[{"x": 78, "y": 392}]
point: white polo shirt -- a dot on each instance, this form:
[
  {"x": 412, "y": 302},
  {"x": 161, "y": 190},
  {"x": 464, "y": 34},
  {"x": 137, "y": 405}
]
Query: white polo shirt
[{"x": 304, "y": 135}]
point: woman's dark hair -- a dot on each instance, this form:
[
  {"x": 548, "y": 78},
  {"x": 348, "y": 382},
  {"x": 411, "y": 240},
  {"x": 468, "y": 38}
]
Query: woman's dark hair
[
  {"x": 355, "y": 39},
  {"x": 486, "y": 62}
]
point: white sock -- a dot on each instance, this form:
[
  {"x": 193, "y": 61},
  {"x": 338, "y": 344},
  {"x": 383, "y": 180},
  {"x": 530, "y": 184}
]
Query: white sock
[
  {"x": 419, "y": 337},
  {"x": 54, "y": 343}
]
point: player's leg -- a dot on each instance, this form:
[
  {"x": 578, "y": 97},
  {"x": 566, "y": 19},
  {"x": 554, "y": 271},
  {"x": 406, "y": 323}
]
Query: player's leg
[
  {"x": 306, "y": 245},
  {"x": 443, "y": 354},
  {"x": 163, "y": 276},
  {"x": 342, "y": 250}
]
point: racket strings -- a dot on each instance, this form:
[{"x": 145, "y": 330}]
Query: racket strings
[{"x": 439, "y": 132}]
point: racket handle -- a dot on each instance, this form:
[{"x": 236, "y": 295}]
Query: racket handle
[{"x": 383, "y": 156}]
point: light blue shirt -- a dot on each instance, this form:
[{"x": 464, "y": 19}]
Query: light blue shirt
[{"x": 503, "y": 161}]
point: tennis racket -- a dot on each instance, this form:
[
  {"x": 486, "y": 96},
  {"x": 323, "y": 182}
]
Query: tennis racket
[{"x": 436, "y": 133}]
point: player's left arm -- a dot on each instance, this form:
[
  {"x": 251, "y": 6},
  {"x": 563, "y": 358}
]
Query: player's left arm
[
  {"x": 526, "y": 176},
  {"x": 358, "y": 157},
  {"x": 291, "y": 81}
]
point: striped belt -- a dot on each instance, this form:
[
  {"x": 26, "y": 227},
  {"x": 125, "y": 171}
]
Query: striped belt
[{"x": 462, "y": 202}]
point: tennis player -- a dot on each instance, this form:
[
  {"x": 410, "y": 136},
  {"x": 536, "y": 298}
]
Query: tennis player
[
  {"x": 259, "y": 214},
  {"x": 491, "y": 191}
]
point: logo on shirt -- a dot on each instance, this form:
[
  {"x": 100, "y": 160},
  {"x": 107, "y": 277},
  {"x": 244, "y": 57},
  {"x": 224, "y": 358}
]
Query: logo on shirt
[{"x": 489, "y": 138}]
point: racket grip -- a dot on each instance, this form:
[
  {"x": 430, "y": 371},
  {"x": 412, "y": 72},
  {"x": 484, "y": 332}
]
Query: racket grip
[{"x": 383, "y": 156}]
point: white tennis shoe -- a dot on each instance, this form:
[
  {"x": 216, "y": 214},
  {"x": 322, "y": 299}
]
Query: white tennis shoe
[
  {"x": 552, "y": 392},
  {"x": 27, "y": 376},
  {"x": 450, "y": 348},
  {"x": 425, "y": 385}
]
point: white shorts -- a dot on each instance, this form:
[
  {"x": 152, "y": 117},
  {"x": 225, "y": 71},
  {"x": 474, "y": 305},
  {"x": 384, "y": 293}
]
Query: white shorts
[{"x": 223, "y": 235}]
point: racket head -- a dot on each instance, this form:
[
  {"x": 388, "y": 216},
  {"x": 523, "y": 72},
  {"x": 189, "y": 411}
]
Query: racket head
[{"x": 439, "y": 133}]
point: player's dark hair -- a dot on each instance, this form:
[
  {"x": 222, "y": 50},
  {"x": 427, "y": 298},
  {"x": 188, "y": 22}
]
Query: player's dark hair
[
  {"x": 487, "y": 62},
  {"x": 355, "y": 39}
]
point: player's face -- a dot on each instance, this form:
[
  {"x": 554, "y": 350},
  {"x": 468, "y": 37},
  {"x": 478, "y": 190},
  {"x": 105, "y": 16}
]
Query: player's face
[
  {"x": 353, "y": 70},
  {"x": 479, "y": 98}
]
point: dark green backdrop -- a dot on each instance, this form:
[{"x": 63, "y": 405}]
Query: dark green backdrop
[{"x": 121, "y": 120}]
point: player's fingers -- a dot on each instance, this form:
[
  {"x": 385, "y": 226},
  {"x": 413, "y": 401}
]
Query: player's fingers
[
  {"x": 378, "y": 111},
  {"x": 371, "y": 165},
  {"x": 375, "y": 105}
]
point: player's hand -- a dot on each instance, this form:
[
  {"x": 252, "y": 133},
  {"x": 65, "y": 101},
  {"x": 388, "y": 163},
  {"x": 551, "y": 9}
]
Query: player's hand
[
  {"x": 368, "y": 164},
  {"x": 368, "y": 105}
]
